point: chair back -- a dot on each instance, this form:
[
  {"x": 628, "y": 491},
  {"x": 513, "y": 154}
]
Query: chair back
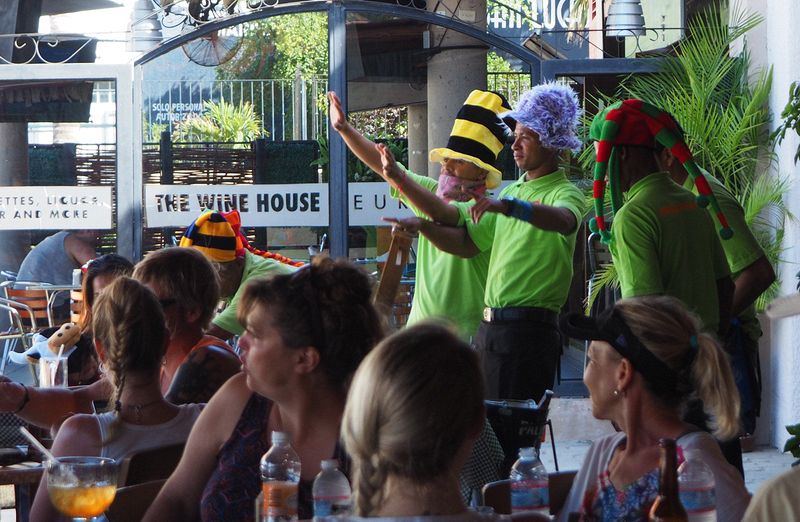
[
  {"x": 32, "y": 304},
  {"x": 132, "y": 502},
  {"x": 497, "y": 494},
  {"x": 150, "y": 465},
  {"x": 518, "y": 424},
  {"x": 17, "y": 335}
]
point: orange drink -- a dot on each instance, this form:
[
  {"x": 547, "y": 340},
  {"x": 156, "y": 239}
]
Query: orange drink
[{"x": 82, "y": 501}]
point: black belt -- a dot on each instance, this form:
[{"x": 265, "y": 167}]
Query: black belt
[{"x": 520, "y": 313}]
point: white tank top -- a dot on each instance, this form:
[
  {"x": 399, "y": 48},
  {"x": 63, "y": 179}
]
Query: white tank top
[{"x": 133, "y": 438}]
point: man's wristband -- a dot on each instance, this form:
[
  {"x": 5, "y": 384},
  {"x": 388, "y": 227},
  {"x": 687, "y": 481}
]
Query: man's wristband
[
  {"x": 25, "y": 399},
  {"x": 519, "y": 208}
]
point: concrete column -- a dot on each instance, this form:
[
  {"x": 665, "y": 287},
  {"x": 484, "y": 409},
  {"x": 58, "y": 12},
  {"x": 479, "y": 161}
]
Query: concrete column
[
  {"x": 454, "y": 71},
  {"x": 13, "y": 172},
  {"x": 418, "y": 138}
]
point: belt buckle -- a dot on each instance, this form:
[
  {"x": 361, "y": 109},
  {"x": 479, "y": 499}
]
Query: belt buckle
[{"x": 487, "y": 314}]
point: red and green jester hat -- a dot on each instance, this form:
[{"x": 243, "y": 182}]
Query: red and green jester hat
[{"x": 634, "y": 122}]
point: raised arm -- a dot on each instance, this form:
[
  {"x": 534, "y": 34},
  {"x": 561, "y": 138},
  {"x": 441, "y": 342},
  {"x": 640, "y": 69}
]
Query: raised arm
[
  {"x": 47, "y": 407},
  {"x": 363, "y": 148},
  {"x": 453, "y": 240},
  {"x": 553, "y": 219},
  {"x": 419, "y": 196}
]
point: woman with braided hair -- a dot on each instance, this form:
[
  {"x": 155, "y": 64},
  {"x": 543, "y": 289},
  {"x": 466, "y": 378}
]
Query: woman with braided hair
[
  {"x": 305, "y": 335},
  {"x": 131, "y": 339},
  {"x": 647, "y": 356},
  {"x": 414, "y": 410}
]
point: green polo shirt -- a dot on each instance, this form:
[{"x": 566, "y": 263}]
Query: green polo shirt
[
  {"x": 529, "y": 266},
  {"x": 254, "y": 266},
  {"x": 446, "y": 286},
  {"x": 663, "y": 243},
  {"x": 742, "y": 250}
]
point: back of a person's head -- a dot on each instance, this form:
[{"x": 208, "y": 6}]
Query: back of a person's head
[
  {"x": 106, "y": 265},
  {"x": 412, "y": 404},
  {"x": 129, "y": 324},
  {"x": 328, "y": 305},
  {"x": 675, "y": 336},
  {"x": 183, "y": 274}
]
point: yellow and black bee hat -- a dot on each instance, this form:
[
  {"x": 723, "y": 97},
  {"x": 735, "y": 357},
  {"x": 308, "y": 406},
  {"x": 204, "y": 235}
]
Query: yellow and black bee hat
[{"x": 478, "y": 134}]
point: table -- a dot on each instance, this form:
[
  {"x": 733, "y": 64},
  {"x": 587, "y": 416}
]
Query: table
[{"x": 25, "y": 478}]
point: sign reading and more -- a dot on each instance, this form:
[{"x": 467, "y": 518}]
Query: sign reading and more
[
  {"x": 55, "y": 208},
  {"x": 283, "y": 205}
]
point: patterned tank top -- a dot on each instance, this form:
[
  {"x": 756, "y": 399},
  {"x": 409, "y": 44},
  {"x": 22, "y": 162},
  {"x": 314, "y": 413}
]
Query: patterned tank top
[{"x": 236, "y": 481}]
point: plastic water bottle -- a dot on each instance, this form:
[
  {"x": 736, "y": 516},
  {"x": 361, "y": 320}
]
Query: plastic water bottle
[
  {"x": 697, "y": 491},
  {"x": 529, "y": 490},
  {"x": 331, "y": 491},
  {"x": 280, "y": 479}
]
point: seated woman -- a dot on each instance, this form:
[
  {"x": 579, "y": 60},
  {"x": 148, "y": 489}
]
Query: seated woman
[
  {"x": 413, "y": 413},
  {"x": 196, "y": 364},
  {"x": 131, "y": 339},
  {"x": 647, "y": 355},
  {"x": 305, "y": 335}
]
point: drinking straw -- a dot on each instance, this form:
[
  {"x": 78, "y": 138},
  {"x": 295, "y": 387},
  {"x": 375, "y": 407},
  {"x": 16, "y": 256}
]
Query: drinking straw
[
  {"x": 54, "y": 368},
  {"x": 27, "y": 434}
]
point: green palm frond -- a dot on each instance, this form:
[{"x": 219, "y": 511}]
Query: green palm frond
[{"x": 606, "y": 277}]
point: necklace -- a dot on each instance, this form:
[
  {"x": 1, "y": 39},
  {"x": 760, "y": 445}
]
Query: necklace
[{"x": 137, "y": 408}]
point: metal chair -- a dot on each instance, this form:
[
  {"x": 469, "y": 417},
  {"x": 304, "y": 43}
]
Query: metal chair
[
  {"x": 18, "y": 334},
  {"x": 520, "y": 424}
]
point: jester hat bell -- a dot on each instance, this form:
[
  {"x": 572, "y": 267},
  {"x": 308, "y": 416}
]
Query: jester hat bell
[
  {"x": 478, "y": 134},
  {"x": 637, "y": 123}
]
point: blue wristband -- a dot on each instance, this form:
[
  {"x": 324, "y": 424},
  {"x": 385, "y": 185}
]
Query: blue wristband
[{"x": 519, "y": 209}]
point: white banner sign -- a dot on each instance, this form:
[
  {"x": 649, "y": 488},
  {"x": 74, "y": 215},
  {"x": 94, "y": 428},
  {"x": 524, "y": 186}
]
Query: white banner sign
[
  {"x": 285, "y": 205},
  {"x": 55, "y": 208}
]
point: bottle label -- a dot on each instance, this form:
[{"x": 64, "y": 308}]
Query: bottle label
[
  {"x": 528, "y": 495},
  {"x": 280, "y": 498},
  {"x": 331, "y": 506},
  {"x": 698, "y": 500}
]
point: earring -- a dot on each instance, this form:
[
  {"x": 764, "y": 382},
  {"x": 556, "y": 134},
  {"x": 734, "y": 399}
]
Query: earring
[{"x": 616, "y": 393}]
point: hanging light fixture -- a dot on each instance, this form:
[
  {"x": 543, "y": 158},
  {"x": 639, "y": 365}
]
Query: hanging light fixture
[{"x": 625, "y": 18}]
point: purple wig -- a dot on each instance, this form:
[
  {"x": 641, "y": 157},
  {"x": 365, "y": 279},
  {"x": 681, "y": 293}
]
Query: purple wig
[{"x": 550, "y": 110}]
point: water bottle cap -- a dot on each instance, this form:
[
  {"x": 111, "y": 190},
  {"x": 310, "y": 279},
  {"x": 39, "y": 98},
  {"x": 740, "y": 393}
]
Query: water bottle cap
[
  {"x": 280, "y": 437},
  {"x": 329, "y": 464},
  {"x": 528, "y": 453}
]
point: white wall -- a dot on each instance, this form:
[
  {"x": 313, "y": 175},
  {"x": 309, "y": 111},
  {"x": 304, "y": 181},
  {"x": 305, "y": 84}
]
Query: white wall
[{"x": 775, "y": 44}]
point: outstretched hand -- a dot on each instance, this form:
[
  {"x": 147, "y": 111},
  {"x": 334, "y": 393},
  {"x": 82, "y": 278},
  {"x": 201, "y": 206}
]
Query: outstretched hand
[
  {"x": 411, "y": 225},
  {"x": 484, "y": 204},
  {"x": 390, "y": 171},
  {"x": 336, "y": 114}
]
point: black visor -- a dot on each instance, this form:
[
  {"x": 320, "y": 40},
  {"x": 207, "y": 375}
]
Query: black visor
[{"x": 610, "y": 327}]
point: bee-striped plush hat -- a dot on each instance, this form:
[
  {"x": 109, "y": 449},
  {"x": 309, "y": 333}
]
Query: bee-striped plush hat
[
  {"x": 478, "y": 134},
  {"x": 219, "y": 237},
  {"x": 634, "y": 122}
]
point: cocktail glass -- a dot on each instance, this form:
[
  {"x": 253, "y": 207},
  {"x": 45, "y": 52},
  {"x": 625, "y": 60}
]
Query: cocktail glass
[{"x": 81, "y": 487}]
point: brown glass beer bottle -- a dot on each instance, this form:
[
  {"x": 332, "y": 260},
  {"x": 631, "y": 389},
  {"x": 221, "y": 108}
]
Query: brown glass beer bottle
[{"x": 668, "y": 507}]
